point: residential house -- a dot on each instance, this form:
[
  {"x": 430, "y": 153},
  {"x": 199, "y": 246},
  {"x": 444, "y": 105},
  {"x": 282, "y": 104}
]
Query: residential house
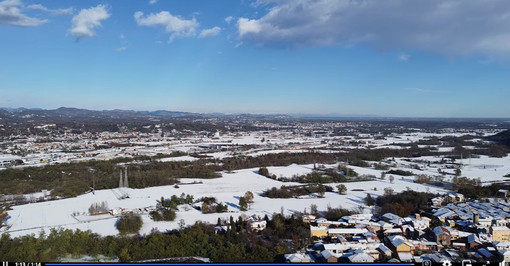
[
  {"x": 500, "y": 233},
  {"x": 318, "y": 231},
  {"x": 309, "y": 218},
  {"x": 392, "y": 219},
  {"x": 384, "y": 225},
  {"x": 297, "y": 258},
  {"x": 442, "y": 235},
  {"x": 455, "y": 197},
  {"x": 420, "y": 223},
  {"x": 345, "y": 232},
  {"x": 385, "y": 251},
  {"x": 473, "y": 241},
  {"x": 444, "y": 213},
  {"x": 400, "y": 244},
  {"x": 405, "y": 256},
  {"x": 327, "y": 256},
  {"x": 437, "y": 201},
  {"x": 360, "y": 257},
  {"x": 393, "y": 231},
  {"x": 424, "y": 246}
]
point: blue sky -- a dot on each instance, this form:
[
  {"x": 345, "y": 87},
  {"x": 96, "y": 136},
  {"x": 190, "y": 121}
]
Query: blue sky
[{"x": 388, "y": 58}]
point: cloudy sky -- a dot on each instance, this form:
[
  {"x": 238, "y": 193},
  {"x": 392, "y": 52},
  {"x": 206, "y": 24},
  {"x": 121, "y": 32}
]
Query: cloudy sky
[{"x": 448, "y": 58}]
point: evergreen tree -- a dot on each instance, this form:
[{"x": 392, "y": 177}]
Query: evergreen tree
[
  {"x": 243, "y": 204},
  {"x": 341, "y": 189},
  {"x": 369, "y": 201}
]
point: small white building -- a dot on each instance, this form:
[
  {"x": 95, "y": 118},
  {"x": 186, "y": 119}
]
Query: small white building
[
  {"x": 116, "y": 211},
  {"x": 258, "y": 225}
]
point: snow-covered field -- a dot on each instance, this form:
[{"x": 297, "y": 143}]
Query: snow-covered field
[
  {"x": 32, "y": 218},
  {"x": 486, "y": 168}
]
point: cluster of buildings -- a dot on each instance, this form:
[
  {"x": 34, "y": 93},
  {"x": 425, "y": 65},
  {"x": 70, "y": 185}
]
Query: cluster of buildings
[{"x": 476, "y": 231}]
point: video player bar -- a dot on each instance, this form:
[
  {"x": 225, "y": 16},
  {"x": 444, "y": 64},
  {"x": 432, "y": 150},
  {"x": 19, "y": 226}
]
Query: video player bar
[{"x": 423, "y": 263}]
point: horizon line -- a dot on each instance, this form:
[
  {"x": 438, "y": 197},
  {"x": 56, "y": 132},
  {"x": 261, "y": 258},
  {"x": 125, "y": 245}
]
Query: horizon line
[{"x": 294, "y": 115}]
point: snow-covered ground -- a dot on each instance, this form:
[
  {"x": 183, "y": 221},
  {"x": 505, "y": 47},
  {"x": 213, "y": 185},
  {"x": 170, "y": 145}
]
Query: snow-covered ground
[
  {"x": 32, "y": 218},
  {"x": 486, "y": 168},
  {"x": 178, "y": 159}
]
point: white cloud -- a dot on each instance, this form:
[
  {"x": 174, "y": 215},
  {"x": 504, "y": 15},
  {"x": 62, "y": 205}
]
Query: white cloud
[
  {"x": 121, "y": 49},
  {"x": 448, "y": 27},
  {"x": 404, "y": 57},
  {"x": 58, "y": 11},
  {"x": 248, "y": 26},
  {"x": 229, "y": 19},
  {"x": 209, "y": 32},
  {"x": 152, "y": 2},
  {"x": 175, "y": 25},
  {"x": 88, "y": 19},
  {"x": 10, "y": 14}
]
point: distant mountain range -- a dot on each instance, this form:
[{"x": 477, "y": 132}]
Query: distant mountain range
[{"x": 69, "y": 112}]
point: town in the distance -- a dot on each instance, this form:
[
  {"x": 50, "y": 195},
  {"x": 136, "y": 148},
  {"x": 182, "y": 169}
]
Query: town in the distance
[{"x": 129, "y": 186}]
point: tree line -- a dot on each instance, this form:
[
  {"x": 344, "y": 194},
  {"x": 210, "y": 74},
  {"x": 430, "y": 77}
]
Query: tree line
[{"x": 237, "y": 244}]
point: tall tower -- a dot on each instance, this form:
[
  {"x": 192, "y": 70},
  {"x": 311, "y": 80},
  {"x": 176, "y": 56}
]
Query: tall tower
[
  {"x": 121, "y": 181},
  {"x": 476, "y": 218},
  {"x": 126, "y": 184}
]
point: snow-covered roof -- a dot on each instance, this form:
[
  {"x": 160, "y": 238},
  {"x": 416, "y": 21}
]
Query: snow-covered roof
[
  {"x": 327, "y": 254},
  {"x": 398, "y": 240},
  {"x": 361, "y": 257},
  {"x": 441, "y": 230},
  {"x": 347, "y": 231},
  {"x": 405, "y": 256},
  {"x": 393, "y": 231},
  {"x": 318, "y": 228},
  {"x": 384, "y": 248}
]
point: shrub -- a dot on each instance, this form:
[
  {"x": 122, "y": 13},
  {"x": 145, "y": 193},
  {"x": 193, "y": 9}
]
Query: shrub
[
  {"x": 341, "y": 189},
  {"x": 129, "y": 223},
  {"x": 263, "y": 171},
  {"x": 369, "y": 201},
  {"x": 221, "y": 208},
  {"x": 347, "y": 171},
  {"x": 423, "y": 179},
  {"x": 163, "y": 214},
  {"x": 334, "y": 214},
  {"x": 400, "y": 172},
  {"x": 360, "y": 163}
]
